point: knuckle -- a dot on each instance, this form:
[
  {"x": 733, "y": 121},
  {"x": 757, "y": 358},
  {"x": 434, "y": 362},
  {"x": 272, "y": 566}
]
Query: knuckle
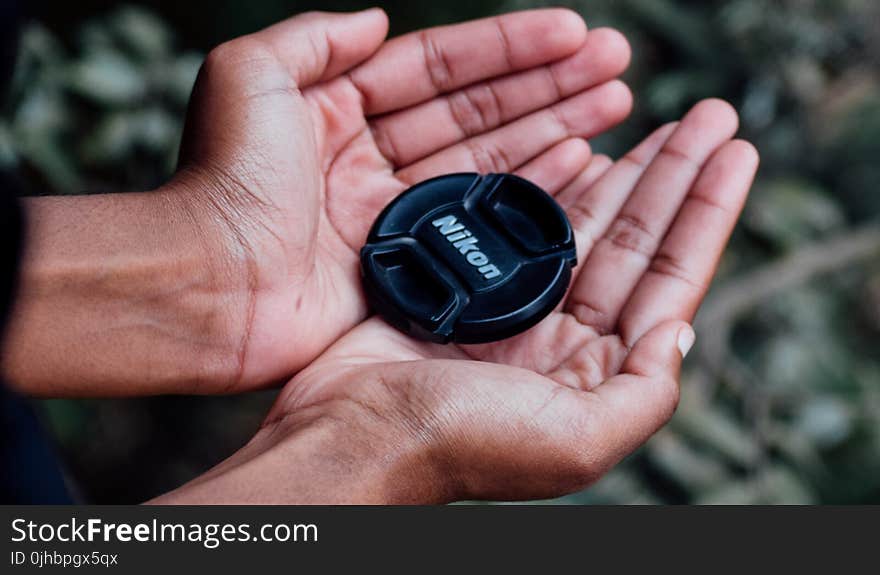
[
  {"x": 671, "y": 266},
  {"x": 631, "y": 233},
  {"x": 504, "y": 39},
  {"x": 475, "y": 110},
  {"x": 560, "y": 119},
  {"x": 319, "y": 55},
  {"x": 487, "y": 157},
  {"x": 555, "y": 83},
  {"x": 635, "y": 160},
  {"x": 581, "y": 216},
  {"x": 467, "y": 114},
  {"x": 679, "y": 158},
  {"x": 246, "y": 68},
  {"x": 385, "y": 143},
  {"x": 231, "y": 56},
  {"x": 591, "y": 315},
  {"x": 436, "y": 65}
]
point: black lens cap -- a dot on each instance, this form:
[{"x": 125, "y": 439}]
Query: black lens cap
[{"x": 468, "y": 259}]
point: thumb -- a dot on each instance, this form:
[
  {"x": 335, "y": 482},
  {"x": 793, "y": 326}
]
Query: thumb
[
  {"x": 317, "y": 46},
  {"x": 245, "y": 95},
  {"x": 658, "y": 353},
  {"x": 643, "y": 397}
]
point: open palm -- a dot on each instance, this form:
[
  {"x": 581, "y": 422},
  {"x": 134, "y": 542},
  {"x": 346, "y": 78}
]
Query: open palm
[
  {"x": 299, "y": 134},
  {"x": 550, "y": 410}
]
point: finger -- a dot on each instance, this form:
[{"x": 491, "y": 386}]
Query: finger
[
  {"x": 590, "y": 208},
  {"x": 268, "y": 68},
  {"x": 625, "y": 250},
  {"x": 551, "y": 171},
  {"x": 316, "y": 46},
  {"x": 645, "y": 393},
  {"x": 582, "y": 433},
  {"x": 679, "y": 275},
  {"x": 599, "y": 164},
  {"x": 596, "y": 207},
  {"x": 556, "y": 167},
  {"x": 487, "y": 105},
  {"x": 418, "y": 66},
  {"x": 508, "y": 147},
  {"x": 633, "y": 405}
]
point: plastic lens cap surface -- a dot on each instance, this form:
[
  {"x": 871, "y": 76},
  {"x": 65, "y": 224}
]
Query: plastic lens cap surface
[{"x": 468, "y": 259}]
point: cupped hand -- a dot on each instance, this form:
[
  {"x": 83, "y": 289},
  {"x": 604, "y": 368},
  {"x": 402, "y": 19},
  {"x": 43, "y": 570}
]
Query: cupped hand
[
  {"x": 543, "y": 413},
  {"x": 299, "y": 134}
]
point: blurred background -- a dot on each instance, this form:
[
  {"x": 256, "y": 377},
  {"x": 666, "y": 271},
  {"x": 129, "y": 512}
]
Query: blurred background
[{"x": 781, "y": 399}]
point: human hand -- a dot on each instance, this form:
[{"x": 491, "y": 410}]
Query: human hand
[
  {"x": 298, "y": 135},
  {"x": 382, "y": 418}
]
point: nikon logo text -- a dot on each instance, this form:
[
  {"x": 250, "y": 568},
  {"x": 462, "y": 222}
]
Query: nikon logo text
[{"x": 462, "y": 240}]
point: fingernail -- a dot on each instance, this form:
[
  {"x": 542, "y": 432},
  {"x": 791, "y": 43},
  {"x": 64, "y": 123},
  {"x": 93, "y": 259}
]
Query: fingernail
[{"x": 686, "y": 339}]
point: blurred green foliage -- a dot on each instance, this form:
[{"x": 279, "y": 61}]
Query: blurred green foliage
[
  {"x": 781, "y": 398},
  {"x": 104, "y": 116}
]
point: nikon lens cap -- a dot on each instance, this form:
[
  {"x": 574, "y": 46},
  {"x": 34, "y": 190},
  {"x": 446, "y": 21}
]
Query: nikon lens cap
[{"x": 468, "y": 259}]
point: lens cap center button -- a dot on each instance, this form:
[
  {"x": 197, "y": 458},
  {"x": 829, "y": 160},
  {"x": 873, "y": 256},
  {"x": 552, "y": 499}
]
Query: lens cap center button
[{"x": 468, "y": 247}]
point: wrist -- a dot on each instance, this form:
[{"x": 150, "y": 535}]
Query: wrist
[
  {"x": 119, "y": 295},
  {"x": 329, "y": 454},
  {"x": 227, "y": 267}
]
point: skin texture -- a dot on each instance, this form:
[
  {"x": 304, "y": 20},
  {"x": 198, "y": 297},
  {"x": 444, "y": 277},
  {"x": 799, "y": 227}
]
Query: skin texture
[
  {"x": 119, "y": 295},
  {"x": 296, "y": 137}
]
